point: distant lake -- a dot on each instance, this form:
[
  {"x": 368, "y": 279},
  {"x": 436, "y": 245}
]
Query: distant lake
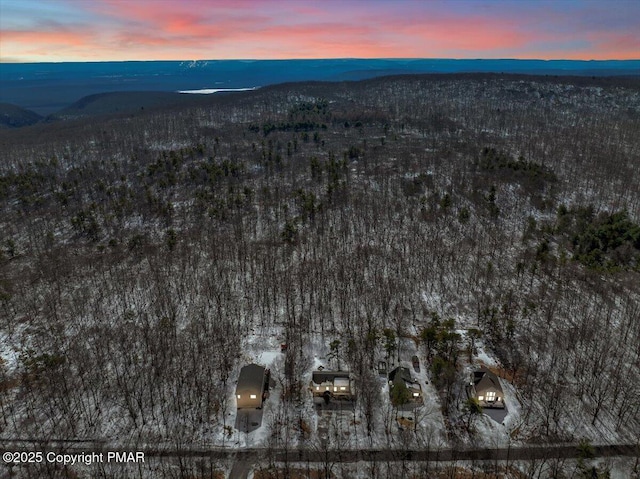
[
  {"x": 209, "y": 91},
  {"x": 49, "y": 87}
]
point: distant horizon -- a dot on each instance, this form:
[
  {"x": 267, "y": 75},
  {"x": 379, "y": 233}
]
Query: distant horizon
[{"x": 2, "y": 61}]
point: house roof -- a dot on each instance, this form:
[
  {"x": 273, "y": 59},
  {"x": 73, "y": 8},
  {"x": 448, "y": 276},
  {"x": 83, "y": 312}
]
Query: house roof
[
  {"x": 484, "y": 379},
  {"x": 320, "y": 377},
  {"x": 251, "y": 377},
  {"x": 401, "y": 373}
]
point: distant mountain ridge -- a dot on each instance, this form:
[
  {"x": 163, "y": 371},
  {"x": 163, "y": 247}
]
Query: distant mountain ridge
[
  {"x": 134, "y": 103},
  {"x": 12, "y": 116},
  {"x": 46, "y": 88},
  {"x": 121, "y": 102}
]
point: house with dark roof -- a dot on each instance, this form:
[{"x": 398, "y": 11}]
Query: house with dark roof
[
  {"x": 402, "y": 375},
  {"x": 485, "y": 387},
  {"x": 253, "y": 386},
  {"x": 332, "y": 384}
]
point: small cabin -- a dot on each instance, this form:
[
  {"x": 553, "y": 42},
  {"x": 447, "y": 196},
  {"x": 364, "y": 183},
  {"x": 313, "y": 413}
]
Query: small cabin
[
  {"x": 332, "y": 384},
  {"x": 253, "y": 385},
  {"x": 485, "y": 387},
  {"x": 403, "y": 375}
]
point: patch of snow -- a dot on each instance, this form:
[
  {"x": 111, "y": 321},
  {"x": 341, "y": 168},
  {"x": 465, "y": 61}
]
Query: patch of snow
[
  {"x": 317, "y": 363},
  {"x": 268, "y": 357},
  {"x": 484, "y": 357},
  {"x": 8, "y": 355}
]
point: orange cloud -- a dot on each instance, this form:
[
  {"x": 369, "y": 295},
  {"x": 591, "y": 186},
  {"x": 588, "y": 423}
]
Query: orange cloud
[
  {"x": 53, "y": 38},
  {"x": 199, "y": 29}
]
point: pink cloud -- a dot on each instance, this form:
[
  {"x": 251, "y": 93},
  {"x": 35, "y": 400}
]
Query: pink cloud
[
  {"x": 170, "y": 29},
  {"x": 623, "y": 45}
]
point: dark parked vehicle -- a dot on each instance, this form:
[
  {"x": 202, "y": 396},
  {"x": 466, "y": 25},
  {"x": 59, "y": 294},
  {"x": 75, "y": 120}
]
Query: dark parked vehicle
[{"x": 416, "y": 364}]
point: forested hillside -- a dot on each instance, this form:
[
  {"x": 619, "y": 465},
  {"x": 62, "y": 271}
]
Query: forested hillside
[{"x": 138, "y": 255}]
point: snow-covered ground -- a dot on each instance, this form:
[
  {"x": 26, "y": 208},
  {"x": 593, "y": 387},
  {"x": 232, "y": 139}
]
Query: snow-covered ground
[
  {"x": 8, "y": 353},
  {"x": 617, "y": 467},
  {"x": 341, "y": 425}
]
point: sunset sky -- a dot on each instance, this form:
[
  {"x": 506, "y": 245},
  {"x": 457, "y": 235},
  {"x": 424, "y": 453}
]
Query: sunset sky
[{"x": 102, "y": 30}]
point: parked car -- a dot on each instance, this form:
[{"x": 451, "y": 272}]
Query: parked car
[{"x": 416, "y": 363}]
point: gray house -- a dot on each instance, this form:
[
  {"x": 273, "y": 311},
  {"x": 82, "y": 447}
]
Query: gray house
[
  {"x": 485, "y": 387},
  {"x": 332, "y": 384},
  {"x": 252, "y": 387},
  {"x": 402, "y": 375}
]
